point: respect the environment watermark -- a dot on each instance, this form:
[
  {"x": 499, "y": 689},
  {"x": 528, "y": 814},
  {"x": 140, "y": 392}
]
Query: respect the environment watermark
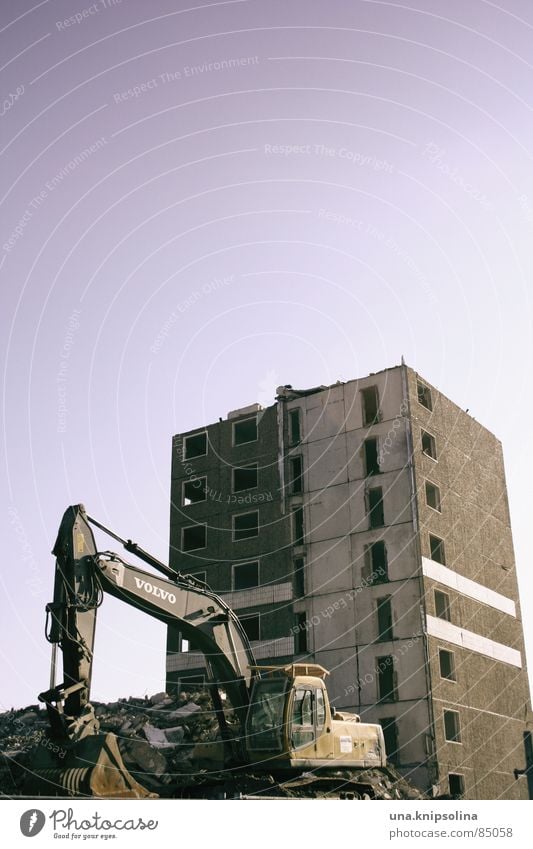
[
  {"x": 184, "y": 73},
  {"x": 73, "y": 325},
  {"x": 51, "y": 185}
]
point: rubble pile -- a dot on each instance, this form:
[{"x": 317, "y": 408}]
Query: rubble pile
[
  {"x": 171, "y": 745},
  {"x": 156, "y": 736},
  {"x": 20, "y": 732}
]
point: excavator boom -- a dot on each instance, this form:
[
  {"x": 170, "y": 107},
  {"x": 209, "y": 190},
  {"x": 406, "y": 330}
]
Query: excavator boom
[
  {"x": 286, "y": 722},
  {"x": 82, "y": 574}
]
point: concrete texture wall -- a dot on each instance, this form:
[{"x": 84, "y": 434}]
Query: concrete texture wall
[
  {"x": 334, "y": 620},
  {"x": 339, "y": 603},
  {"x": 272, "y": 545},
  {"x": 491, "y": 696}
]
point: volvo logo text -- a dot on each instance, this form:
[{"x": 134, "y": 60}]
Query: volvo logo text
[{"x": 158, "y": 592}]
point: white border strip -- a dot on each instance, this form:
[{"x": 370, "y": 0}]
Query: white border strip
[
  {"x": 444, "y": 630},
  {"x": 463, "y": 585}
]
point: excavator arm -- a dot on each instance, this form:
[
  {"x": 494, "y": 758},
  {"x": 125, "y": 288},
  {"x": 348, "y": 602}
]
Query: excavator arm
[{"x": 83, "y": 575}]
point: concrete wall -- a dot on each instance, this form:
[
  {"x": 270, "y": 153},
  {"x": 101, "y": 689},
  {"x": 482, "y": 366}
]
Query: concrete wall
[
  {"x": 491, "y": 696},
  {"x": 340, "y": 606},
  {"x": 338, "y": 609},
  {"x": 271, "y": 547}
]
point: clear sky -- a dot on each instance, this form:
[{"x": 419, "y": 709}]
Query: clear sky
[{"x": 202, "y": 201}]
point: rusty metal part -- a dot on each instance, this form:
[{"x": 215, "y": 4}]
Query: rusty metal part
[{"x": 93, "y": 767}]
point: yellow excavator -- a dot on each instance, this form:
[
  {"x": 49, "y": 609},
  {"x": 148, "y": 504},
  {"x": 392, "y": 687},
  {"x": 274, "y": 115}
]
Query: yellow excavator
[{"x": 288, "y": 735}]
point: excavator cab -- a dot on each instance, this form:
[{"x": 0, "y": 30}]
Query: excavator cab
[{"x": 290, "y": 724}]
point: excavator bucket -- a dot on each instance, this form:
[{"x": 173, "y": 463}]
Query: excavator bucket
[{"x": 92, "y": 767}]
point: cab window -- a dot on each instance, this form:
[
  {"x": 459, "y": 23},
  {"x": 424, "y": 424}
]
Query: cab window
[
  {"x": 308, "y": 716},
  {"x": 320, "y": 710}
]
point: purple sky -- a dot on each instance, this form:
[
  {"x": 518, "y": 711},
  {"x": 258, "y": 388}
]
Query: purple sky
[{"x": 182, "y": 232}]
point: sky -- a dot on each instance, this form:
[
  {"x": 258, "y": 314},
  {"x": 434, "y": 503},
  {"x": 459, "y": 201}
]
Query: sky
[{"x": 203, "y": 201}]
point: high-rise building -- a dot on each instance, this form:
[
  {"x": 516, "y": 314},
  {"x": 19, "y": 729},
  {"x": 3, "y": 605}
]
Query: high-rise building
[{"x": 365, "y": 526}]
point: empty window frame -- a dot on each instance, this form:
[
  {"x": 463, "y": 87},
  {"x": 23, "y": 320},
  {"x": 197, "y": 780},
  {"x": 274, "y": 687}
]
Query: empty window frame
[
  {"x": 299, "y": 577},
  {"x": 193, "y": 537},
  {"x": 245, "y": 431},
  {"x": 194, "y": 491},
  {"x": 452, "y": 728},
  {"x": 371, "y": 457},
  {"x": 447, "y": 664},
  {"x": 295, "y": 475},
  {"x": 442, "y": 606},
  {"x": 301, "y": 633},
  {"x": 386, "y": 676},
  {"x": 370, "y": 401},
  {"x": 246, "y": 575},
  {"x": 376, "y": 517},
  {"x": 429, "y": 445},
  {"x": 390, "y": 734},
  {"x": 252, "y": 626},
  {"x": 295, "y": 427},
  {"x": 384, "y": 618},
  {"x": 433, "y": 496},
  {"x": 375, "y": 567},
  {"x": 436, "y": 547},
  {"x": 245, "y": 477},
  {"x": 246, "y": 525},
  {"x": 423, "y": 394},
  {"x": 195, "y": 445},
  {"x": 456, "y": 785},
  {"x": 298, "y": 526}
]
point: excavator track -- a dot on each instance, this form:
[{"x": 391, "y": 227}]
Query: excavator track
[{"x": 369, "y": 784}]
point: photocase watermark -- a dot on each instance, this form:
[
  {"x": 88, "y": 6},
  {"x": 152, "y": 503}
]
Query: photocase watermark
[
  {"x": 340, "y": 604},
  {"x": 354, "y": 156},
  {"x": 382, "y": 666},
  {"x": 41, "y": 738},
  {"x": 32, "y": 572},
  {"x": 233, "y": 498},
  {"x": 389, "y": 242},
  {"x": 9, "y": 101},
  {"x": 385, "y": 445},
  {"x": 32, "y": 822},
  {"x": 65, "y": 820},
  {"x": 184, "y": 73},
  {"x": 65, "y": 825},
  {"x": 50, "y": 186},
  {"x": 208, "y": 288},
  {"x": 73, "y": 326},
  {"x": 87, "y": 12},
  {"x": 22, "y": 729},
  {"x": 198, "y": 482},
  {"x": 435, "y": 154},
  {"x": 187, "y": 467}
]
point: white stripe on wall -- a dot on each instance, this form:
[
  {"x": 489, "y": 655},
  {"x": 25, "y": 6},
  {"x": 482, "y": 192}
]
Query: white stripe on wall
[
  {"x": 444, "y": 630},
  {"x": 467, "y": 587}
]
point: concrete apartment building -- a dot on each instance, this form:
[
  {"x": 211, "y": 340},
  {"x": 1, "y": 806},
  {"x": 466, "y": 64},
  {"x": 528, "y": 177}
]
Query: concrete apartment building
[{"x": 365, "y": 526}]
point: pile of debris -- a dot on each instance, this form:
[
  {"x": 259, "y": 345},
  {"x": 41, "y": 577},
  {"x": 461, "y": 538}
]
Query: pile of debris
[
  {"x": 171, "y": 745},
  {"x": 156, "y": 736}
]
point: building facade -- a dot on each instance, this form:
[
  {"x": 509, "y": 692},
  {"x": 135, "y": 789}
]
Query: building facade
[{"x": 365, "y": 526}]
